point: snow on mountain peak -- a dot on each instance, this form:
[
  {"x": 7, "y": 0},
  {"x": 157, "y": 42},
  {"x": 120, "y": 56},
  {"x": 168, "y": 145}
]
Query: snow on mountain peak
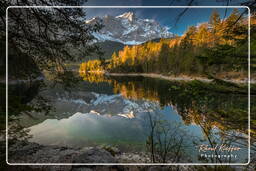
[
  {"x": 128, "y": 29},
  {"x": 129, "y": 15}
]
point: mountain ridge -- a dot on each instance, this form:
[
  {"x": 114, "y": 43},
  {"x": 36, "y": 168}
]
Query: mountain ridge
[{"x": 128, "y": 29}]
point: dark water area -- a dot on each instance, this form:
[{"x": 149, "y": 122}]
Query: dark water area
[{"x": 121, "y": 111}]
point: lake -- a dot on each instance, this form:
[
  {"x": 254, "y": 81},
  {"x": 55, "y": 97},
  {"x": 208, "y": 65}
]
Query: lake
[{"x": 126, "y": 112}]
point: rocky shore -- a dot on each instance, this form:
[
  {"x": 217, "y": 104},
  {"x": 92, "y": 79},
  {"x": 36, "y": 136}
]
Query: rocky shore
[
  {"x": 25, "y": 152},
  {"x": 181, "y": 78},
  {"x": 28, "y": 152}
]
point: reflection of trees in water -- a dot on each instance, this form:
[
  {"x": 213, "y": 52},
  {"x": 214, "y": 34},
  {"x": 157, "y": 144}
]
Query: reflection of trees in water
[
  {"x": 194, "y": 102},
  {"x": 94, "y": 77},
  {"x": 166, "y": 141},
  {"x": 226, "y": 111},
  {"x": 24, "y": 98},
  {"x": 207, "y": 105}
]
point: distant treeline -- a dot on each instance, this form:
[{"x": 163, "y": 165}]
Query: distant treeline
[{"x": 209, "y": 48}]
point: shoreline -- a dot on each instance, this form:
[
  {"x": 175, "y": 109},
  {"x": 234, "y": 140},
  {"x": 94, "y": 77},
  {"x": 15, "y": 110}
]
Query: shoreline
[
  {"x": 23, "y": 151},
  {"x": 178, "y": 78},
  {"x": 150, "y": 75}
]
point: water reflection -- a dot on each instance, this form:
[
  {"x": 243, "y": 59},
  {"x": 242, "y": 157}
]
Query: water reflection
[
  {"x": 139, "y": 113},
  {"x": 192, "y": 102},
  {"x": 221, "y": 116},
  {"x": 88, "y": 129}
]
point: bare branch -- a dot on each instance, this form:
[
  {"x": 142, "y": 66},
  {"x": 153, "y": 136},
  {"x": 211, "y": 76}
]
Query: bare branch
[
  {"x": 183, "y": 12},
  {"x": 226, "y": 9}
]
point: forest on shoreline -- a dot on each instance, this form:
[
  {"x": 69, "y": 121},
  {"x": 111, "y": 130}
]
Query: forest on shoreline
[{"x": 216, "y": 48}]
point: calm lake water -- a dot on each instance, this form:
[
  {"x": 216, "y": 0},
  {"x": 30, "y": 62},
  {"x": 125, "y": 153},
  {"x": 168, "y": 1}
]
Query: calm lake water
[{"x": 120, "y": 111}]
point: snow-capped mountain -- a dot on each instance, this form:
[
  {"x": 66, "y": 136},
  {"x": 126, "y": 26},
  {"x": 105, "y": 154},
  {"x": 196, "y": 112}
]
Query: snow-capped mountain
[{"x": 128, "y": 29}]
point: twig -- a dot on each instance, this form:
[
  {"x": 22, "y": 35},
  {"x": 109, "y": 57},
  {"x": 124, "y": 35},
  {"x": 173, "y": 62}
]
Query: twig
[{"x": 183, "y": 12}]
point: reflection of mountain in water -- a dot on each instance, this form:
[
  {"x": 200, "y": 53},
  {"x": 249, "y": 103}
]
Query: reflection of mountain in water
[
  {"x": 114, "y": 110},
  {"x": 191, "y": 101}
]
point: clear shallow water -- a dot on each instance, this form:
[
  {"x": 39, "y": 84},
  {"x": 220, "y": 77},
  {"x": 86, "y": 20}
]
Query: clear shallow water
[{"x": 116, "y": 111}]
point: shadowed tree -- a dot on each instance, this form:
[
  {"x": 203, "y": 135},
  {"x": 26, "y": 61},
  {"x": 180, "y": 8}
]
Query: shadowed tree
[
  {"x": 45, "y": 38},
  {"x": 40, "y": 40}
]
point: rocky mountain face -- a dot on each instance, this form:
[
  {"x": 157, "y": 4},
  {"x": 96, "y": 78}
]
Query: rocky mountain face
[{"x": 128, "y": 29}]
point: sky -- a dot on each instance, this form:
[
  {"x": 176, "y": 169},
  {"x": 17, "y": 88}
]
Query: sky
[{"x": 164, "y": 16}]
